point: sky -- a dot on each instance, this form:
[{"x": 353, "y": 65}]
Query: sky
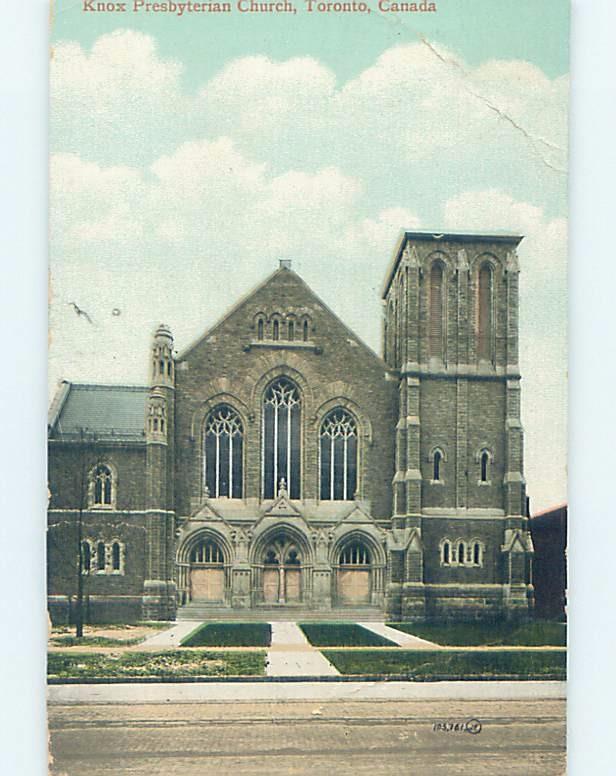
[{"x": 189, "y": 154}]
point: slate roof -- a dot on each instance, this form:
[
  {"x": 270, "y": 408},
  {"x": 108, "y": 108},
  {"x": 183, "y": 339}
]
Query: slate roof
[{"x": 105, "y": 411}]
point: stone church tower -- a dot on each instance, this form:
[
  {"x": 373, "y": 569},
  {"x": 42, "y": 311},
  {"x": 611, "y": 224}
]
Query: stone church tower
[
  {"x": 459, "y": 542},
  {"x": 278, "y": 464}
]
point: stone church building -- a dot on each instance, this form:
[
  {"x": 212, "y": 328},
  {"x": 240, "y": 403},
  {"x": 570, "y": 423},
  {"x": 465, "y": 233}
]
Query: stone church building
[{"x": 278, "y": 462}]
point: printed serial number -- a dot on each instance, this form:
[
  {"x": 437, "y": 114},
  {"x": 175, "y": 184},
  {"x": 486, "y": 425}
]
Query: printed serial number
[{"x": 472, "y": 726}]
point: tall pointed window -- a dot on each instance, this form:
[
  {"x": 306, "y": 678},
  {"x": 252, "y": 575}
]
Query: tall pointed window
[
  {"x": 436, "y": 471},
  {"x": 485, "y": 314},
  {"x": 103, "y": 480},
  {"x": 260, "y": 329},
  {"x": 338, "y": 456},
  {"x": 224, "y": 437},
  {"x": 436, "y": 310},
  {"x": 281, "y": 438},
  {"x": 116, "y": 556},
  {"x": 86, "y": 557},
  {"x": 100, "y": 556},
  {"x": 485, "y": 462}
]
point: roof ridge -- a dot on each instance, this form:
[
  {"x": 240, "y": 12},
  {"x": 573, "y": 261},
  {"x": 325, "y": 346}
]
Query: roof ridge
[{"x": 123, "y": 386}]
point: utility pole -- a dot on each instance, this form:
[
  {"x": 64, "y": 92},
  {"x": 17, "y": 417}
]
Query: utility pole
[{"x": 82, "y": 485}]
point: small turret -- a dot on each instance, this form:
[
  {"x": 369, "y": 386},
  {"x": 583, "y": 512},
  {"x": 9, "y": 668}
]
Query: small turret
[
  {"x": 163, "y": 366},
  {"x": 156, "y": 425}
]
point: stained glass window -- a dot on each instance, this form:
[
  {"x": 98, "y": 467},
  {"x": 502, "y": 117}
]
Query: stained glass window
[
  {"x": 281, "y": 438},
  {"x": 338, "y": 456},
  {"x": 224, "y": 437}
]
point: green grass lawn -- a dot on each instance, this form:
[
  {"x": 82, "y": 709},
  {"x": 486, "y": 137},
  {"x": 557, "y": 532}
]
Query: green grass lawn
[
  {"x": 230, "y": 634},
  {"x": 88, "y": 665},
  {"x": 426, "y": 663},
  {"x": 94, "y": 641},
  {"x": 342, "y": 634},
  {"x": 485, "y": 634}
]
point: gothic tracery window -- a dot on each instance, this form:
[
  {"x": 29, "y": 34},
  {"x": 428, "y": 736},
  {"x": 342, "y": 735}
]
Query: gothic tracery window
[
  {"x": 338, "y": 456},
  {"x": 224, "y": 437},
  {"x": 281, "y": 438},
  {"x": 103, "y": 486}
]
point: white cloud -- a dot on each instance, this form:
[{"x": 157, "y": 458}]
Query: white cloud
[{"x": 168, "y": 204}]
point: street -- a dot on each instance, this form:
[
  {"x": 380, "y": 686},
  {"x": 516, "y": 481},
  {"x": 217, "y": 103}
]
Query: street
[{"x": 336, "y": 735}]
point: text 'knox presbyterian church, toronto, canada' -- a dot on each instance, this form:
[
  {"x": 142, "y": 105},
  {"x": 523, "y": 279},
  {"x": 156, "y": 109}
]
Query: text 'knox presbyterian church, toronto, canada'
[{"x": 279, "y": 463}]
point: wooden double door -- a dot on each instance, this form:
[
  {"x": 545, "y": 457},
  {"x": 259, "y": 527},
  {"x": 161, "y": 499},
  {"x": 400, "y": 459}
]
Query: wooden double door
[
  {"x": 207, "y": 584},
  {"x": 354, "y": 586},
  {"x": 282, "y": 584}
]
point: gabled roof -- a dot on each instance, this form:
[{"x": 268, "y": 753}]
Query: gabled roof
[
  {"x": 102, "y": 411},
  {"x": 254, "y": 291},
  {"x": 460, "y": 237}
]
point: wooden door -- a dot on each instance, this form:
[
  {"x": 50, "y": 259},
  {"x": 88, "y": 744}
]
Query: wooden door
[
  {"x": 293, "y": 583},
  {"x": 354, "y": 586},
  {"x": 207, "y": 585},
  {"x": 271, "y": 580}
]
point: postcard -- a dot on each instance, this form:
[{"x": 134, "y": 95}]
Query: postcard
[{"x": 308, "y": 350}]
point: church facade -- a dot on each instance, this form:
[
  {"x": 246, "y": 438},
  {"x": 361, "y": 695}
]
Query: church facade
[{"x": 279, "y": 463}]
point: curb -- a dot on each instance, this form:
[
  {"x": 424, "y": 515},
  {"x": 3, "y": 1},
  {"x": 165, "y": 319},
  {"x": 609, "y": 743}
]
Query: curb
[{"x": 286, "y": 679}]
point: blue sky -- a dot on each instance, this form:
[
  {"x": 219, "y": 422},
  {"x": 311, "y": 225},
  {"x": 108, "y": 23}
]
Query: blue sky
[{"x": 189, "y": 154}]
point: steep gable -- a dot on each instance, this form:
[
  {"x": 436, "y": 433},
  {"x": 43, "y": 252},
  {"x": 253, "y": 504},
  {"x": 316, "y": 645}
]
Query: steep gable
[{"x": 283, "y": 296}]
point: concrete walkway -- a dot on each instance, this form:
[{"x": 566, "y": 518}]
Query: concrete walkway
[
  {"x": 399, "y": 637},
  {"x": 170, "y": 637},
  {"x": 291, "y": 654},
  {"x": 194, "y": 692}
]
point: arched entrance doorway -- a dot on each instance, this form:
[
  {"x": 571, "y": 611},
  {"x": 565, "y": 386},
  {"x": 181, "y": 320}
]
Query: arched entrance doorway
[
  {"x": 282, "y": 572},
  {"x": 354, "y": 574},
  {"x": 207, "y": 572}
]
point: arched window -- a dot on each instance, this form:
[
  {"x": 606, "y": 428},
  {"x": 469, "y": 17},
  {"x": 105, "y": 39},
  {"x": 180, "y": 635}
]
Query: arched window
[
  {"x": 86, "y": 557},
  {"x": 461, "y": 553},
  {"x": 355, "y": 554},
  {"x": 260, "y": 329},
  {"x": 207, "y": 551},
  {"x": 281, "y": 438},
  {"x": 484, "y": 313},
  {"x": 446, "y": 552},
  {"x": 436, "y": 310},
  {"x": 338, "y": 456},
  {"x": 436, "y": 472},
  {"x": 224, "y": 436},
  {"x": 276, "y": 330},
  {"x": 305, "y": 331},
  {"x": 115, "y": 556},
  {"x": 485, "y": 464},
  {"x": 103, "y": 481},
  {"x": 100, "y": 556},
  {"x": 291, "y": 331},
  {"x": 477, "y": 554}
]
